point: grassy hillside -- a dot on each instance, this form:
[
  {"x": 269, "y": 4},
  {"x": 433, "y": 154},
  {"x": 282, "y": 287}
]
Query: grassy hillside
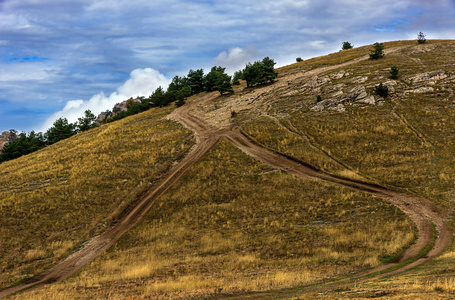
[
  {"x": 54, "y": 200},
  {"x": 214, "y": 232},
  {"x": 233, "y": 224}
]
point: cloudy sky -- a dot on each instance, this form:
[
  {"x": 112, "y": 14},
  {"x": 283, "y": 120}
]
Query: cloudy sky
[{"x": 61, "y": 57}]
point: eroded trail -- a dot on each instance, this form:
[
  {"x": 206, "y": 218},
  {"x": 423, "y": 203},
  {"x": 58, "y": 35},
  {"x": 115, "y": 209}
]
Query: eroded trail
[{"x": 421, "y": 211}]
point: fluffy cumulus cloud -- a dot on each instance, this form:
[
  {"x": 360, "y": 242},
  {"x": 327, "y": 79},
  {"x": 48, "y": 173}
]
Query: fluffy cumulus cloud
[
  {"x": 236, "y": 58},
  {"x": 54, "y": 50},
  {"x": 142, "y": 82}
]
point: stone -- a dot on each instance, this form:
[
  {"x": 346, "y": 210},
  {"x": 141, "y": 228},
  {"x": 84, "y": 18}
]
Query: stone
[
  {"x": 359, "y": 79},
  {"x": 338, "y": 75},
  {"x": 367, "y": 100},
  {"x": 428, "y": 76},
  {"x": 5, "y": 138},
  {"x": 339, "y": 108},
  {"x": 420, "y": 90},
  {"x": 100, "y": 119}
]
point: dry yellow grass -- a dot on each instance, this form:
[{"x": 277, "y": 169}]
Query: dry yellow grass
[
  {"x": 212, "y": 232},
  {"x": 409, "y": 142},
  {"x": 53, "y": 200}
]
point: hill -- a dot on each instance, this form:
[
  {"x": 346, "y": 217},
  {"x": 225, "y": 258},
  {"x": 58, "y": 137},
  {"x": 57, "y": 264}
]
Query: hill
[{"x": 353, "y": 187}]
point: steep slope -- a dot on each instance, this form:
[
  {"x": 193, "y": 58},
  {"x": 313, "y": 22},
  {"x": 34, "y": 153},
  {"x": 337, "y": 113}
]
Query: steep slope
[
  {"x": 56, "y": 199},
  {"x": 352, "y": 134}
]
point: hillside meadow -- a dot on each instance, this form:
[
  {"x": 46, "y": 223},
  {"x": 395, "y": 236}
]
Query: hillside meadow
[
  {"x": 54, "y": 200},
  {"x": 213, "y": 233}
]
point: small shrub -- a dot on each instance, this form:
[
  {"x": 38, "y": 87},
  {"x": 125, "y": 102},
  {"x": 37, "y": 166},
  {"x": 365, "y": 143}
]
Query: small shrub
[
  {"x": 233, "y": 114},
  {"x": 318, "y": 98},
  {"x": 394, "y": 72},
  {"x": 421, "y": 38},
  {"x": 346, "y": 46},
  {"x": 298, "y": 59},
  {"x": 381, "y": 90},
  {"x": 378, "y": 51}
]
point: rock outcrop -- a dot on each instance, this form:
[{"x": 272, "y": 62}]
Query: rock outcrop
[
  {"x": 117, "y": 109},
  {"x": 357, "y": 96},
  {"x": 5, "y": 138}
]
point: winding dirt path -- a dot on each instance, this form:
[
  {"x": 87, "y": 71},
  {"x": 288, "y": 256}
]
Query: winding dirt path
[{"x": 422, "y": 211}]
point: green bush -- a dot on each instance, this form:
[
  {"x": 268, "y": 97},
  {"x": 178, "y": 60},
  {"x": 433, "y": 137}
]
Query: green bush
[
  {"x": 394, "y": 72},
  {"x": 298, "y": 59},
  {"x": 346, "y": 46},
  {"x": 381, "y": 90}
]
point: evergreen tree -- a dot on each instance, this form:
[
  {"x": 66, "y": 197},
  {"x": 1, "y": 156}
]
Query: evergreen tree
[
  {"x": 346, "y": 46},
  {"x": 60, "y": 130},
  {"x": 87, "y": 122},
  {"x": 223, "y": 84},
  {"x": 394, "y": 72},
  {"x": 378, "y": 51},
  {"x": 259, "y": 72},
  {"x": 195, "y": 81},
  {"x": 160, "y": 97},
  {"x": 237, "y": 76},
  {"x": 218, "y": 80},
  {"x": 22, "y": 145}
]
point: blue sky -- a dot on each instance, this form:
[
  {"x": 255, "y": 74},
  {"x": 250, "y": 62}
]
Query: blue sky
[{"x": 61, "y": 57}]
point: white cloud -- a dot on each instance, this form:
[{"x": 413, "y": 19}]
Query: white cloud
[
  {"x": 26, "y": 71},
  {"x": 142, "y": 82},
  {"x": 236, "y": 58},
  {"x": 318, "y": 44}
]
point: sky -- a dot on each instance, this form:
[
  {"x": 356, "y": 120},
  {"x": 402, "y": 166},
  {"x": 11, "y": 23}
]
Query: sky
[{"x": 59, "y": 58}]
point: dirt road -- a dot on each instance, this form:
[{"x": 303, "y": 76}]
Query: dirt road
[{"x": 421, "y": 211}]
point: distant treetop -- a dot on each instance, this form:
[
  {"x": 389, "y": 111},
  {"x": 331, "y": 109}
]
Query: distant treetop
[
  {"x": 346, "y": 46},
  {"x": 421, "y": 38}
]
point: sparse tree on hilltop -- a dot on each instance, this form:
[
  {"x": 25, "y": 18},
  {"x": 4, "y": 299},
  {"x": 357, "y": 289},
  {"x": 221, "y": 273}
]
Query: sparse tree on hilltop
[
  {"x": 346, "y": 46},
  {"x": 421, "y": 38},
  {"x": 378, "y": 51}
]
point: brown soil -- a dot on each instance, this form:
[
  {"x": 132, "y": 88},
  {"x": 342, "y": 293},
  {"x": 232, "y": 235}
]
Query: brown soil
[{"x": 208, "y": 129}]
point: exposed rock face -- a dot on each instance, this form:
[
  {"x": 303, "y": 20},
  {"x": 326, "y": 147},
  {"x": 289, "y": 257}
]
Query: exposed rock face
[
  {"x": 5, "y": 138},
  {"x": 420, "y": 90},
  {"x": 100, "y": 119},
  {"x": 123, "y": 106},
  {"x": 118, "y": 108},
  {"x": 358, "y": 96},
  {"x": 430, "y": 77}
]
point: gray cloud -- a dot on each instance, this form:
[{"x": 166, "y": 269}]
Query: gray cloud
[{"x": 55, "y": 51}]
